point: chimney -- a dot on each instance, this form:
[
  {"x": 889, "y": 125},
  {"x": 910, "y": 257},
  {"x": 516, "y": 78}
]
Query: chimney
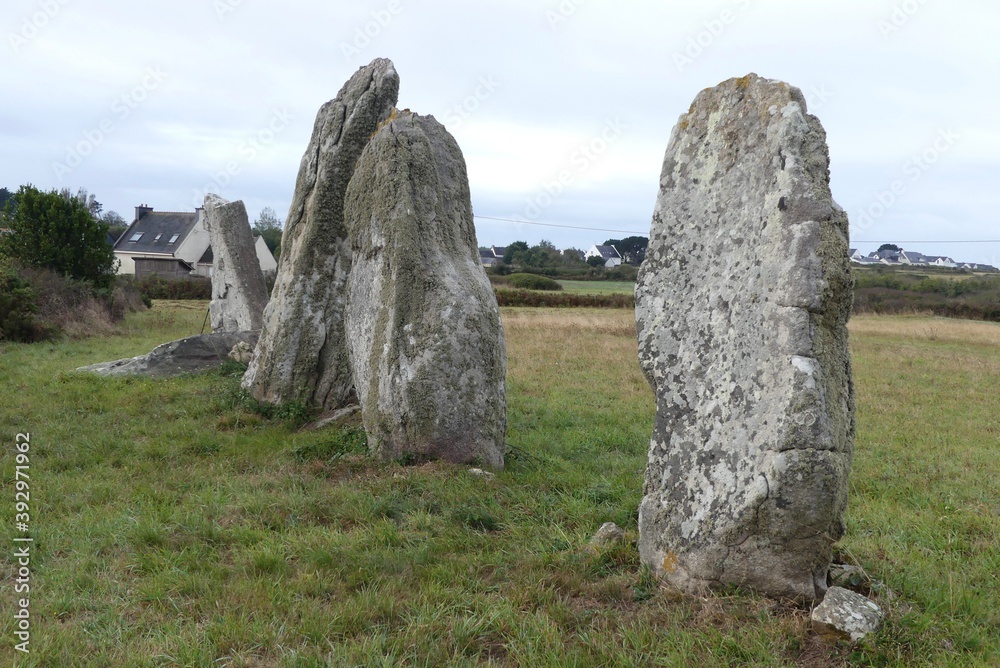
[{"x": 142, "y": 210}]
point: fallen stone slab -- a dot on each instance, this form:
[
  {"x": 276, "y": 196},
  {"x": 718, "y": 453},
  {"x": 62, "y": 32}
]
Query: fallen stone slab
[
  {"x": 846, "y": 615},
  {"x": 741, "y": 310},
  {"x": 190, "y": 355},
  {"x": 302, "y": 354}
]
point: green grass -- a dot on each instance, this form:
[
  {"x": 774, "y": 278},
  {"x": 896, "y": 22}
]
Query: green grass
[
  {"x": 598, "y": 287},
  {"x": 175, "y": 524}
]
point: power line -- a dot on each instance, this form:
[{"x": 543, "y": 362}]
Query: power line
[
  {"x": 569, "y": 227},
  {"x": 950, "y": 241}
]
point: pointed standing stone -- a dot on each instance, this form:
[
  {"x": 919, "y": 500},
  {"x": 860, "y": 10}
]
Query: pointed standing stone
[
  {"x": 742, "y": 306},
  {"x": 239, "y": 294},
  {"x": 302, "y": 353},
  {"x": 423, "y": 324}
]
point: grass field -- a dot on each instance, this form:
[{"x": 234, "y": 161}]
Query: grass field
[
  {"x": 598, "y": 287},
  {"x": 174, "y": 525}
]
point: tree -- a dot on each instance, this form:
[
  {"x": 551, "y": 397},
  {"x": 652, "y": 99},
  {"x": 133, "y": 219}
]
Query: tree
[
  {"x": 58, "y": 233},
  {"x": 889, "y": 247},
  {"x": 5, "y": 196},
  {"x": 596, "y": 260},
  {"x": 632, "y": 249},
  {"x": 268, "y": 226},
  {"x": 89, "y": 201},
  {"x": 512, "y": 251},
  {"x": 116, "y": 224}
]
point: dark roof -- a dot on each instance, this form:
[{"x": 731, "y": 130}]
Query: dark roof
[
  {"x": 207, "y": 257},
  {"x": 608, "y": 252},
  {"x": 498, "y": 251},
  {"x": 157, "y": 228}
]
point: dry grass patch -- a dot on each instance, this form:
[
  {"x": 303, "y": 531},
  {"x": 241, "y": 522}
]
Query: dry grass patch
[{"x": 927, "y": 328}]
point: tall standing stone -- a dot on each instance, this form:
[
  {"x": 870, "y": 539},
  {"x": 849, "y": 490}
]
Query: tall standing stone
[
  {"x": 302, "y": 353},
  {"x": 423, "y": 324},
  {"x": 239, "y": 293},
  {"x": 742, "y": 306}
]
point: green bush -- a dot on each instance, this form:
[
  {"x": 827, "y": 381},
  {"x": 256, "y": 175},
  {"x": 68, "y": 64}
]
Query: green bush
[
  {"x": 532, "y": 282},
  {"x": 18, "y": 308},
  {"x": 50, "y": 231}
]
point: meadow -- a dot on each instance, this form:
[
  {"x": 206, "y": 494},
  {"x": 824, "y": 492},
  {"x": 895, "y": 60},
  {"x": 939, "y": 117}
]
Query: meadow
[{"x": 177, "y": 523}]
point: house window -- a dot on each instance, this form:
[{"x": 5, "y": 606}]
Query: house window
[
  {"x": 157, "y": 238},
  {"x": 136, "y": 236},
  {"x": 173, "y": 238}
]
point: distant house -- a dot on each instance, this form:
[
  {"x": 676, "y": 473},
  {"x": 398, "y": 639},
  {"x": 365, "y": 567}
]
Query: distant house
[
  {"x": 941, "y": 261},
  {"x": 885, "y": 256},
  {"x": 973, "y": 266},
  {"x": 487, "y": 258},
  {"x": 173, "y": 245},
  {"x": 607, "y": 253},
  {"x": 498, "y": 251},
  {"x": 913, "y": 257}
]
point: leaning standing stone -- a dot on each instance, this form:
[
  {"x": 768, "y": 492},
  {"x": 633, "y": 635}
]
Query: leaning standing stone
[
  {"x": 239, "y": 294},
  {"x": 423, "y": 325},
  {"x": 302, "y": 354},
  {"x": 742, "y": 308}
]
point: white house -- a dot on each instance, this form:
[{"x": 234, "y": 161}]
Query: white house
[
  {"x": 941, "y": 261},
  {"x": 609, "y": 254},
  {"x": 172, "y": 245},
  {"x": 912, "y": 257}
]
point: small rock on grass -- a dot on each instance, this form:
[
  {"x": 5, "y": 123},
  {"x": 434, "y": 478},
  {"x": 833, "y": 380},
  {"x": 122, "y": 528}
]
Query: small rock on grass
[
  {"x": 241, "y": 353},
  {"x": 844, "y": 614},
  {"x": 609, "y": 534}
]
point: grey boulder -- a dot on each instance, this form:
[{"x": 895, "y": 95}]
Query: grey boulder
[
  {"x": 239, "y": 294},
  {"x": 423, "y": 326},
  {"x": 302, "y": 354},
  {"x": 741, "y": 309}
]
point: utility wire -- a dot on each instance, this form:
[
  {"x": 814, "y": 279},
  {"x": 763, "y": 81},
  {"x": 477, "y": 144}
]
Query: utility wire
[{"x": 951, "y": 241}]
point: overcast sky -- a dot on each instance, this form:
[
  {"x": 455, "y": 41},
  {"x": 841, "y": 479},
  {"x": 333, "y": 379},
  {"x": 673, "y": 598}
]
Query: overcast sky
[{"x": 160, "y": 102}]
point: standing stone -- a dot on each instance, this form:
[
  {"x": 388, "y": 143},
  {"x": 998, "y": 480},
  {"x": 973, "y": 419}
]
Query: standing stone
[
  {"x": 302, "y": 354},
  {"x": 239, "y": 294},
  {"x": 741, "y": 308},
  {"x": 423, "y": 324}
]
